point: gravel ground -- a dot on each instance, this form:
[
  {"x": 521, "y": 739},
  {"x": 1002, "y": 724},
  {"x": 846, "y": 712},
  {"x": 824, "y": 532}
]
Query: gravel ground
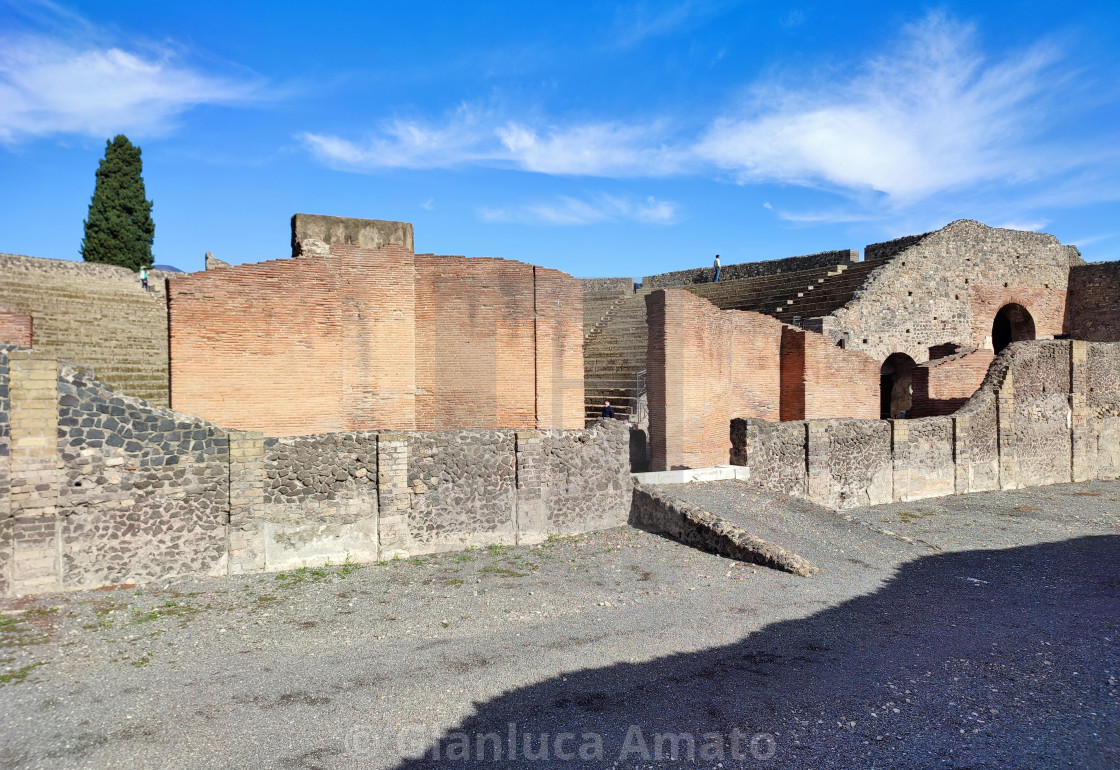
[{"x": 967, "y": 632}]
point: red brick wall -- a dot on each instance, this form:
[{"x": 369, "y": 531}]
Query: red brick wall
[
  {"x": 363, "y": 339},
  {"x": 838, "y": 382},
  {"x": 1046, "y": 306},
  {"x": 942, "y": 387},
  {"x": 15, "y": 328},
  {"x": 706, "y": 366}
]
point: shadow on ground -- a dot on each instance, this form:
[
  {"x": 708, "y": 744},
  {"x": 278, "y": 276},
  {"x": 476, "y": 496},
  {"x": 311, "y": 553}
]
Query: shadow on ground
[{"x": 980, "y": 659}]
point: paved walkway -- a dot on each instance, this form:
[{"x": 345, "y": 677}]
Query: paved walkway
[{"x": 990, "y": 639}]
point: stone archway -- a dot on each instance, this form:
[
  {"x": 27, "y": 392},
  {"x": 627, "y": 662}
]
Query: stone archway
[
  {"x": 896, "y": 391},
  {"x": 1012, "y": 323}
]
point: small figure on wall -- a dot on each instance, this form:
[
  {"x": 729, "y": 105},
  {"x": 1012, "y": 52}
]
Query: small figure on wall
[
  {"x": 716, "y": 265},
  {"x": 144, "y": 278},
  {"x": 608, "y": 411}
]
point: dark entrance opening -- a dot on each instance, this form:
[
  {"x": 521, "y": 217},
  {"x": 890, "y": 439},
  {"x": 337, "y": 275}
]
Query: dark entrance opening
[
  {"x": 896, "y": 391},
  {"x": 1012, "y": 324}
]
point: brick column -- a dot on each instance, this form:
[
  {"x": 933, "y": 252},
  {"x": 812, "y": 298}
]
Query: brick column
[
  {"x": 900, "y": 459},
  {"x": 816, "y": 451},
  {"x": 36, "y": 472},
  {"x": 394, "y": 498},
  {"x": 246, "y": 496},
  {"x": 1005, "y": 420},
  {"x": 962, "y": 457},
  {"x": 1083, "y": 439},
  {"x": 531, "y": 519}
]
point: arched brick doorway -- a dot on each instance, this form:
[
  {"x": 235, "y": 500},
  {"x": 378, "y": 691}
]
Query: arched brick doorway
[
  {"x": 896, "y": 391},
  {"x": 1012, "y": 324}
]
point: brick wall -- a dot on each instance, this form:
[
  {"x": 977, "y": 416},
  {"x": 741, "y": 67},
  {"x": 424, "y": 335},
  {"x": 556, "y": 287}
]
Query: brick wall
[
  {"x": 96, "y": 314},
  {"x": 15, "y": 328},
  {"x": 360, "y": 339},
  {"x": 942, "y": 386},
  {"x": 838, "y": 383},
  {"x": 1093, "y": 311}
]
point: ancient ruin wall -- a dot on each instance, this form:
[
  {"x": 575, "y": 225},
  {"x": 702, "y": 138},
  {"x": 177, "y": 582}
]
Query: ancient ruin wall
[
  {"x": 750, "y": 269},
  {"x": 947, "y": 287},
  {"x": 15, "y": 328},
  {"x": 96, "y": 314},
  {"x": 1048, "y": 412},
  {"x": 705, "y": 366},
  {"x": 1093, "y": 307},
  {"x": 944, "y": 385},
  {"x": 99, "y": 488},
  {"x": 315, "y": 233}
]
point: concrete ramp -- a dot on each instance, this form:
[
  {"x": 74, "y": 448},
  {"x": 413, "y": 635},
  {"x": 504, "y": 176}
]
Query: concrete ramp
[{"x": 654, "y": 510}]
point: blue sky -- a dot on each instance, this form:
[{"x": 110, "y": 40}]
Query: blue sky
[{"x": 600, "y": 139}]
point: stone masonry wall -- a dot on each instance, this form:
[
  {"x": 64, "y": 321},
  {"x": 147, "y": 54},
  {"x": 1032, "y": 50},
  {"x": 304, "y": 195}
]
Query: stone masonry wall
[
  {"x": 96, "y": 314},
  {"x": 1048, "y": 412},
  {"x": 750, "y": 269},
  {"x": 99, "y": 488},
  {"x": 946, "y": 288},
  {"x": 1093, "y": 308}
]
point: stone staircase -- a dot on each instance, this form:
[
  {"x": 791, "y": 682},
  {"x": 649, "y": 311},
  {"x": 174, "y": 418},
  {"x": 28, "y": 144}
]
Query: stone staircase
[
  {"x": 101, "y": 320},
  {"x": 614, "y": 347}
]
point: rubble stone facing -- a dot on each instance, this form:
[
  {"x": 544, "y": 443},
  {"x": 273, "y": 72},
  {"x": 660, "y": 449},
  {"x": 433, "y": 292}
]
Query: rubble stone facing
[
  {"x": 947, "y": 286},
  {"x": 98, "y": 488},
  {"x": 1048, "y": 412},
  {"x": 144, "y": 491},
  {"x": 1094, "y": 302}
]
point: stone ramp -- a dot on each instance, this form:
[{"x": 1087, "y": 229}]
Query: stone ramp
[
  {"x": 808, "y": 534},
  {"x": 659, "y": 511}
]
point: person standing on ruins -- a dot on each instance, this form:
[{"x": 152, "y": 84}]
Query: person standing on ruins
[
  {"x": 608, "y": 412},
  {"x": 716, "y": 279},
  {"x": 144, "y": 278}
]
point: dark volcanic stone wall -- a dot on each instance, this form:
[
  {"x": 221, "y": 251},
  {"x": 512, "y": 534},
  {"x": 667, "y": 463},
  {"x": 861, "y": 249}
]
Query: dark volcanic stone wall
[{"x": 144, "y": 491}]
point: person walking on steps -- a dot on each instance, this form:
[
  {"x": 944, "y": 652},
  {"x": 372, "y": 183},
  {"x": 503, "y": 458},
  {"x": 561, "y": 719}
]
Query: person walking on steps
[
  {"x": 716, "y": 279},
  {"x": 144, "y": 278}
]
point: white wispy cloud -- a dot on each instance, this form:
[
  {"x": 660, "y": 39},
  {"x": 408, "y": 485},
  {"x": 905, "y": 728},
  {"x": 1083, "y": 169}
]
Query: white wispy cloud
[
  {"x": 637, "y": 22},
  {"x": 930, "y": 115},
  {"x": 68, "y": 85},
  {"x": 474, "y": 136},
  {"x": 567, "y": 211}
]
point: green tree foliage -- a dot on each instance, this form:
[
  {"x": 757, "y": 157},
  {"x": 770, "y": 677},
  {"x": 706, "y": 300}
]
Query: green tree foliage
[{"x": 119, "y": 229}]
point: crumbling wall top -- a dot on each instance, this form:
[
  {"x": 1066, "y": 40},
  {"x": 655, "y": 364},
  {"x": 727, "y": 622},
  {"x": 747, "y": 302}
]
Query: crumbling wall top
[{"x": 314, "y": 233}]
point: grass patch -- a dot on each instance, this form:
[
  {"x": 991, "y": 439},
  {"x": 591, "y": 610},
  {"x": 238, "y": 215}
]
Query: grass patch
[
  {"x": 315, "y": 574},
  {"x": 266, "y": 598},
  {"x": 19, "y": 674},
  {"x": 504, "y": 571},
  {"x": 15, "y": 632}
]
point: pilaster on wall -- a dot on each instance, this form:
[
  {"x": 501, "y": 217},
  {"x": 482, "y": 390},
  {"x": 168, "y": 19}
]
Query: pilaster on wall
[
  {"x": 530, "y": 522},
  {"x": 35, "y": 473},
  {"x": 900, "y": 459},
  {"x": 246, "y": 499},
  {"x": 394, "y": 498},
  {"x": 1083, "y": 439},
  {"x": 1005, "y": 422},
  {"x": 817, "y": 459},
  {"x": 962, "y": 457}
]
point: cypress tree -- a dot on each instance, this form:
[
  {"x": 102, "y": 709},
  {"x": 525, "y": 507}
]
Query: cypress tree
[{"x": 119, "y": 229}]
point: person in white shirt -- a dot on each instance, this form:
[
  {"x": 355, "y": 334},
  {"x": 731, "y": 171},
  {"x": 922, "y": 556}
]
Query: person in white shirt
[{"x": 716, "y": 279}]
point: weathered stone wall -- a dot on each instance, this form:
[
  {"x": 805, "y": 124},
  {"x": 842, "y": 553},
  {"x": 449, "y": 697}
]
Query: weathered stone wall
[
  {"x": 947, "y": 286},
  {"x": 99, "y": 488},
  {"x": 750, "y": 269},
  {"x": 314, "y": 233},
  {"x": 1048, "y": 412},
  {"x": 944, "y": 385},
  {"x": 617, "y": 286},
  {"x": 1093, "y": 307},
  {"x": 96, "y": 314}
]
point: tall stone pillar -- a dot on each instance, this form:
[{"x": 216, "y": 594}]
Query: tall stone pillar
[
  {"x": 962, "y": 457},
  {"x": 900, "y": 459},
  {"x": 36, "y": 472},
  {"x": 531, "y": 517}
]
